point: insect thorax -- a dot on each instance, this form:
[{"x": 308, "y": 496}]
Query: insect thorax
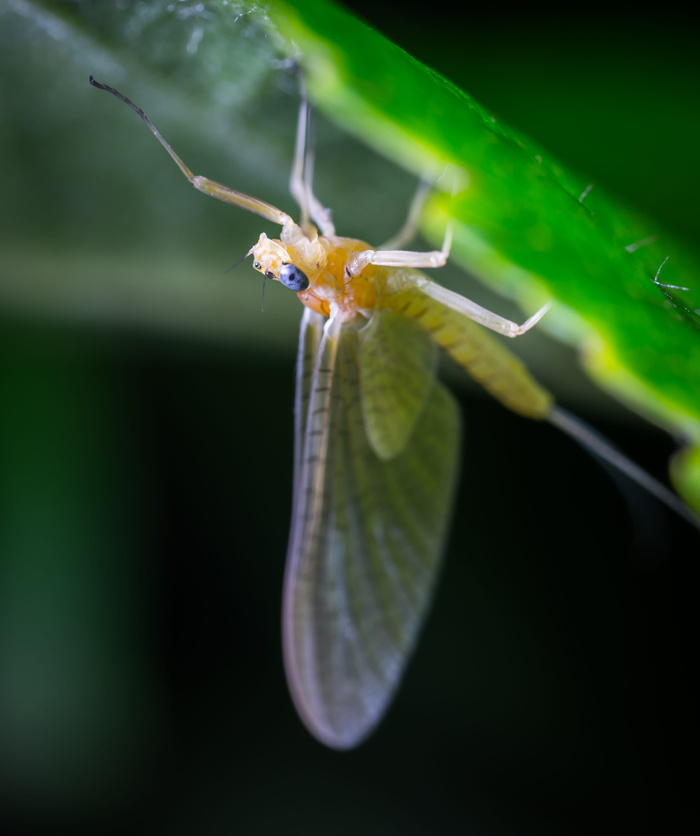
[{"x": 324, "y": 260}]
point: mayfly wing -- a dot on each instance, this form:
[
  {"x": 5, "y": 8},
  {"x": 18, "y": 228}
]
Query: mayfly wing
[
  {"x": 310, "y": 336},
  {"x": 397, "y": 371},
  {"x": 366, "y": 539}
]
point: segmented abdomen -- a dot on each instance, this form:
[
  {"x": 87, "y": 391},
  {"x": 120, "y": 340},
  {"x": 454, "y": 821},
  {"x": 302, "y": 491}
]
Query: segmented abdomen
[{"x": 482, "y": 356}]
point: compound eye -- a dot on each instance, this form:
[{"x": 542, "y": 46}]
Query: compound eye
[{"x": 293, "y": 278}]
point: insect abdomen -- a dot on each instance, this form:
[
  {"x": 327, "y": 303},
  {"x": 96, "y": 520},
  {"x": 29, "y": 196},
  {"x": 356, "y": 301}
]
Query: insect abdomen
[{"x": 484, "y": 359}]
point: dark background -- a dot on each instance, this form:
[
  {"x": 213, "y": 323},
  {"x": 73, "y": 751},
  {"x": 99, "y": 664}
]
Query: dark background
[{"x": 145, "y": 475}]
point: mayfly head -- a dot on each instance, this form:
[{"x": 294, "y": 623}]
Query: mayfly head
[{"x": 274, "y": 261}]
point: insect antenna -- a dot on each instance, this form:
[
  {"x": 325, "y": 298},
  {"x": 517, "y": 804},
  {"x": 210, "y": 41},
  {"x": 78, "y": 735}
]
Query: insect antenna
[{"x": 236, "y": 263}]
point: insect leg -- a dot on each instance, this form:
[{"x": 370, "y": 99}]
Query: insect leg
[
  {"x": 483, "y": 316},
  {"x": 410, "y": 226},
  {"x": 301, "y": 179},
  {"x": 204, "y": 184},
  {"x": 400, "y": 258},
  {"x": 437, "y": 258}
]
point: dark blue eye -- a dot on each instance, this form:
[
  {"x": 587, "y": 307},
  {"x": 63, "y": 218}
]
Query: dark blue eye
[{"x": 293, "y": 278}]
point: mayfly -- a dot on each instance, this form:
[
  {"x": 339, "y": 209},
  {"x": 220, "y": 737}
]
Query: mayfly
[{"x": 376, "y": 444}]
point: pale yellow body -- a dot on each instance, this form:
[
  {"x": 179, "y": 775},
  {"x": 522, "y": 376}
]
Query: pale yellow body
[
  {"x": 376, "y": 444},
  {"x": 336, "y": 288}
]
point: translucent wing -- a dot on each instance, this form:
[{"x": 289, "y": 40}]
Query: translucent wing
[
  {"x": 366, "y": 538},
  {"x": 397, "y": 370}
]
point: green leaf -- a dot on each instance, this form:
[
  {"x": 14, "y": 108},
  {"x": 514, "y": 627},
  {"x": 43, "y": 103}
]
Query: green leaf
[
  {"x": 116, "y": 239},
  {"x": 521, "y": 220}
]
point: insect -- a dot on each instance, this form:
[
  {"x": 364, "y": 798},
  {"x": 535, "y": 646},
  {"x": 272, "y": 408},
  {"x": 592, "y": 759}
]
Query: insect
[{"x": 376, "y": 445}]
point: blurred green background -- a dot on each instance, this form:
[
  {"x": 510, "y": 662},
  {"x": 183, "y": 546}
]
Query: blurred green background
[{"x": 146, "y": 439}]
